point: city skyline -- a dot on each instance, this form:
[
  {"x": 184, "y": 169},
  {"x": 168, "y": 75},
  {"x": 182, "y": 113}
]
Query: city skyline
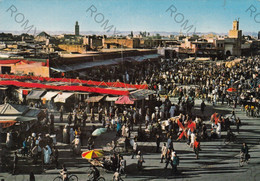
[{"x": 151, "y": 16}]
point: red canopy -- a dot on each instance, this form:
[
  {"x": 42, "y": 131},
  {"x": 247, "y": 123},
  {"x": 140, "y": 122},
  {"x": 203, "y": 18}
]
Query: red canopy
[
  {"x": 88, "y": 82},
  {"x": 124, "y": 100},
  {"x": 65, "y": 88},
  {"x": 231, "y": 89}
]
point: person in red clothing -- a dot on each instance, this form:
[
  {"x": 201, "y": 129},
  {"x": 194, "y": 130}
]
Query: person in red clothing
[{"x": 196, "y": 148}]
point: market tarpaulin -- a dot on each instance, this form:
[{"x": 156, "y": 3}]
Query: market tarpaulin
[
  {"x": 7, "y": 123},
  {"x": 35, "y": 94},
  {"x": 62, "y": 97},
  {"x": 124, "y": 100},
  {"x": 94, "y": 99}
]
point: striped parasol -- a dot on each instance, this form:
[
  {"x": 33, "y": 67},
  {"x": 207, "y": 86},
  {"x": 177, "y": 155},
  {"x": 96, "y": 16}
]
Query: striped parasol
[{"x": 92, "y": 154}]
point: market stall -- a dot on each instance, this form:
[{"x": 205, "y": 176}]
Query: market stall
[{"x": 65, "y": 99}]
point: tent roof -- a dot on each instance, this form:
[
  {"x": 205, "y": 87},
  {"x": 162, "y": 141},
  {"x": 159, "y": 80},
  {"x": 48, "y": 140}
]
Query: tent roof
[
  {"x": 111, "y": 99},
  {"x": 141, "y": 94},
  {"x": 25, "y": 119},
  {"x": 33, "y": 112},
  {"x": 12, "y": 109},
  {"x": 49, "y": 95},
  {"x": 62, "y": 97},
  {"x": 94, "y": 99},
  {"x": 35, "y": 94},
  {"x": 124, "y": 100}
]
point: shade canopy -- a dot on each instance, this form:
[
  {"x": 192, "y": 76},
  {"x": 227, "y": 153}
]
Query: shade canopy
[
  {"x": 13, "y": 109},
  {"x": 35, "y": 94},
  {"x": 62, "y": 97},
  {"x": 94, "y": 99},
  {"x": 124, "y": 100},
  {"x": 49, "y": 95},
  {"x": 111, "y": 99}
]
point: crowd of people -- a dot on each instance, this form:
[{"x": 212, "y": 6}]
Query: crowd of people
[{"x": 160, "y": 120}]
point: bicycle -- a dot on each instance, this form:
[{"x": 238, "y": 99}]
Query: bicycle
[
  {"x": 232, "y": 138},
  {"x": 242, "y": 159},
  {"x": 91, "y": 178},
  {"x": 70, "y": 178},
  {"x": 117, "y": 177}
]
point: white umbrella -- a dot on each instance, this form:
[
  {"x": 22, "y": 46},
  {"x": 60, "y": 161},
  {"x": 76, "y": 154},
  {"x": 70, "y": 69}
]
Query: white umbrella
[{"x": 99, "y": 131}]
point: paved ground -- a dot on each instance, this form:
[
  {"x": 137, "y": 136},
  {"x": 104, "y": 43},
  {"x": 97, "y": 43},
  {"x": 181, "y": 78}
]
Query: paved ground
[{"x": 217, "y": 161}]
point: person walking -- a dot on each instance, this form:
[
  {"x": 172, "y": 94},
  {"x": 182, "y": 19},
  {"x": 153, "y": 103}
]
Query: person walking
[
  {"x": 140, "y": 160},
  {"x": 56, "y": 157},
  {"x": 51, "y": 123},
  {"x": 84, "y": 117},
  {"x": 134, "y": 150},
  {"x": 233, "y": 114},
  {"x": 25, "y": 148},
  {"x": 158, "y": 141},
  {"x": 15, "y": 162},
  {"x": 100, "y": 113},
  {"x": 72, "y": 135},
  {"x": 175, "y": 162},
  {"x": 61, "y": 113},
  {"x": 238, "y": 123},
  {"x": 32, "y": 177},
  {"x": 65, "y": 134},
  {"x": 164, "y": 151},
  {"x": 69, "y": 118},
  {"x": 92, "y": 115},
  {"x": 76, "y": 145},
  {"x": 245, "y": 151},
  {"x": 169, "y": 142},
  {"x": 122, "y": 163},
  {"x": 52, "y": 118},
  {"x": 168, "y": 158},
  {"x": 91, "y": 143},
  {"x": 202, "y": 107},
  {"x": 196, "y": 148}
]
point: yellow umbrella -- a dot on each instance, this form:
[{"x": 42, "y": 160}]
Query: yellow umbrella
[{"x": 92, "y": 154}]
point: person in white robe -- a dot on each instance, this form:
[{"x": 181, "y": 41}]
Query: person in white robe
[
  {"x": 218, "y": 130},
  {"x": 77, "y": 145},
  {"x": 72, "y": 135},
  {"x": 47, "y": 154}
]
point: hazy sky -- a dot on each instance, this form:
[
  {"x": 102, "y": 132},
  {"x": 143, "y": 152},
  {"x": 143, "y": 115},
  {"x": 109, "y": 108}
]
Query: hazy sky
[{"x": 126, "y": 15}]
